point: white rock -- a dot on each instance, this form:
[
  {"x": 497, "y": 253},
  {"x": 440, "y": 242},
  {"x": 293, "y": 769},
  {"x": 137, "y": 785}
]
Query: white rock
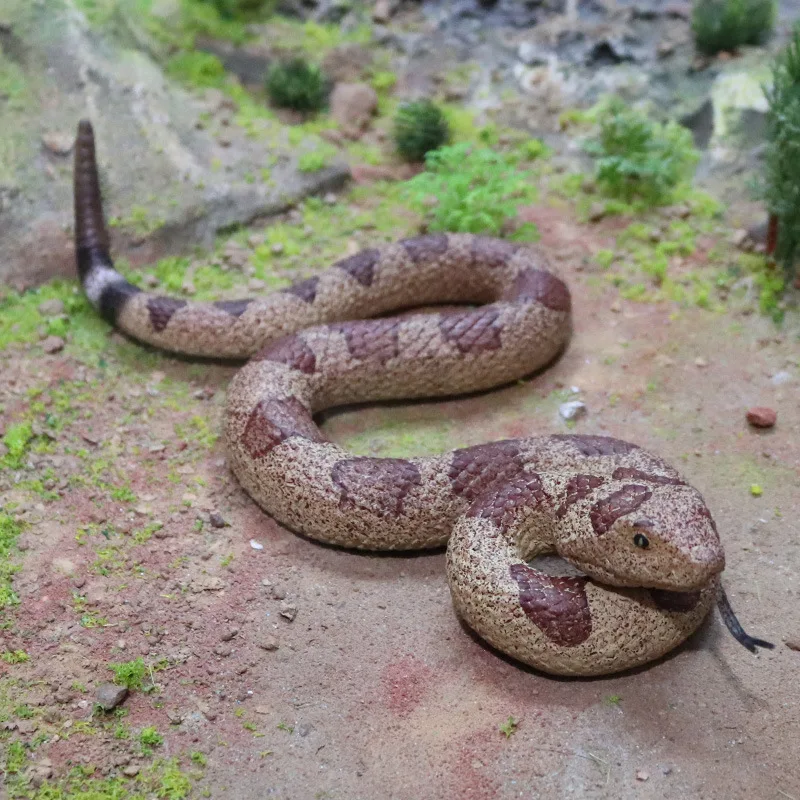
[{"x": 572, "y": 410}]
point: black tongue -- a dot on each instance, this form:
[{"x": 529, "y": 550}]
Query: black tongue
[{"x": 733, "y": 625}]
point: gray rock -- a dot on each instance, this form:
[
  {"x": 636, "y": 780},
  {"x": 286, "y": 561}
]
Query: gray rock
[
  {"x": 532, "y": 54},
  {"x": 109, "y": 695},
  {"x": 217, "y": 520},
  {"x": 353, "y": 105},
  {"x": 137, "y": 112},
  {"x": 572, "y": 409},
  {"x": 52, "y": 307},
  {"x": 288, "y": 610},
  {"x": 229, "y": 634},
  {"x": 53, "y": 344},
  {"x": 781, "y": 378},
  {"x": 700, "y": 121}
]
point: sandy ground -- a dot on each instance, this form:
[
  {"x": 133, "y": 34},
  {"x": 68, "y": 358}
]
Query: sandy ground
[{"x": 373, "y": 689}]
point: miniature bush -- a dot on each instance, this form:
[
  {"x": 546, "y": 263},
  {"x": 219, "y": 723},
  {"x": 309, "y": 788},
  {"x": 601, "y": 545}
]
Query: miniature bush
[
  {"x": 238, "y": 9},
  {"x": 150, "y": 737},
  {"x": 782, "y": 184},
  {"x": 130, "y": 674},
  {"x": 638, "y": 158},
  {"x": 296, "y": 84},
  {"x": 419, "y": 129},
  {"x": 728, "y": 24},
  {"x": 474, "y": 190}
]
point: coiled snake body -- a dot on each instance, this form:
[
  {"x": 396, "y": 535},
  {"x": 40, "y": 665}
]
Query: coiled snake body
[{"x": 643, "y": 539}]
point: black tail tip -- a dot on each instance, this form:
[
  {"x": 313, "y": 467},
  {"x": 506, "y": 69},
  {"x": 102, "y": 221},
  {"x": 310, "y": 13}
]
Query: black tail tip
[
  {"x": 752, "y": 644},
  {"x": 85, "y": 130},
  {"x": 734, "y": 626}
]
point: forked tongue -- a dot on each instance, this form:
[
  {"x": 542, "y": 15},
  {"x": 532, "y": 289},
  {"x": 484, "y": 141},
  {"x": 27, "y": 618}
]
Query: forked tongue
[{"x": 732, "y": 624}]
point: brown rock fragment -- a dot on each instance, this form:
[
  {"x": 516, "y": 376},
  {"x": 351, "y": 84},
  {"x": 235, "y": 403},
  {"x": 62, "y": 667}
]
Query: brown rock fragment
[{"x": 762, "y": 417}]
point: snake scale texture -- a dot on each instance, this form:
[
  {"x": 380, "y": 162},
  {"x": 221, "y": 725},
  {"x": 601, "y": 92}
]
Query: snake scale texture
[{"x": 643, "y": 544}]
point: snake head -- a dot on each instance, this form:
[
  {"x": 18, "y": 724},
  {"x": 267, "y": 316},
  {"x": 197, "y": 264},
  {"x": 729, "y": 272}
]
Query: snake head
[{"x": 657, "y": 536}]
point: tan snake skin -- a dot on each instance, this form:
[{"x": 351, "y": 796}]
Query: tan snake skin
[{"x": 644, "y": 541}]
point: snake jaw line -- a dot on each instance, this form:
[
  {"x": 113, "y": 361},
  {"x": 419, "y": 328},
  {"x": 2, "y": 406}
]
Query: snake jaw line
[{"x": 735, "y": 627}]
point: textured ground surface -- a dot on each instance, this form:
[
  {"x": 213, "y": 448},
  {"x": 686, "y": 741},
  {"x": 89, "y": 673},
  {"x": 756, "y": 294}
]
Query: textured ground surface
[
  {"x": 272, "y": 666},
  {"x": 374, "y": 689}
]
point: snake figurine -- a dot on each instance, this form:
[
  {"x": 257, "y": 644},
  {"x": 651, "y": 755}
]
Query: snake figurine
[{"x": 642, "y": 541}]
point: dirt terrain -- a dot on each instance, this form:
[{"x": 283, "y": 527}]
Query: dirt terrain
[
  {"x": 298, "y": 670},
  {"x": 265, "y": 665}
]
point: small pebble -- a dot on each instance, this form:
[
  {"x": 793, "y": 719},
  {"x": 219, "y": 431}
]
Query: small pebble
[
  {"x": 572, "y": 410},
  {"x": 288, "y": 611},
  {"x": 53, "y": 344},
  {"x": 700, "y": 362},
  {"x": 739, "y": 237},
  {"x": 174, "y": 716},
  {"x": 256, "y": 545},
  {"x": 596, "y": 212},
  {"x": 229, "y": 634},
  {"x": 217, "y": 520},
  {"x": 223, "y": 650},
  {"x": 52, "y": 307},
  {"x": 58, "y": 143},
  {"x": 641, "y": 775},
  {"x": 793, "y": 644},
  {"x": 779, "y": 378},
  {"x": 268, "y": 643},
  {"x": 762, "y": 417},
  {"x": 109, "y": 695}
]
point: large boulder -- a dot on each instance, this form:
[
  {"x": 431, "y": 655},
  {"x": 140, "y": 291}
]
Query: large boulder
[{"x": 176, "y": 167}]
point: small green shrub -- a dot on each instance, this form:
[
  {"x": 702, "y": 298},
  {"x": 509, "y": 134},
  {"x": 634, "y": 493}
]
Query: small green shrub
[
  {"x": 782, "y": 184},
  {"x": 10, "y": 529},
  {"x": 16, "y": 439},
  {"x": 475, "y": 190},
  {"x": 15, "y": 656},
  {"x": 150, "y": 737},
  {"x": 241, "y": 9},
  {"x": 130, "y": 674},
  {"x": 298, "y": 85},
  {"x": 419, "y": 129},
  {"x": 638, "y": 158},
  {"x": 728, "y": 24},
  {"x": 197, "y": 68},
  {"x": 317, "y": 159}
]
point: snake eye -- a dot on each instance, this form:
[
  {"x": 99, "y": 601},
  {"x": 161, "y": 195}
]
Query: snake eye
[{"x": 640, "y": 540}]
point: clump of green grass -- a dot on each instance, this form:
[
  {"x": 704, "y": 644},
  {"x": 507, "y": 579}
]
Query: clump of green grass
[
  {"x": 317, "y": 159},
  {"x": 15, "y": 656},
  {"x": 297, "y": 84},
  {"x": 130, "y": 674},
  {"x": 150, "y": 737},
  {"x": 242, "y": 9},
  {"x": 725, "y": 25},
  {"x": 17, "y": 439},
  {"x": 638, "y": 158},
  {"x": 9, "y": 531},
  {"x": 475, "y": 190},
  {"x": 782, "y": 185},
  {"x": 196, "y": 68},
  {"x": 420, "y": 128}
]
